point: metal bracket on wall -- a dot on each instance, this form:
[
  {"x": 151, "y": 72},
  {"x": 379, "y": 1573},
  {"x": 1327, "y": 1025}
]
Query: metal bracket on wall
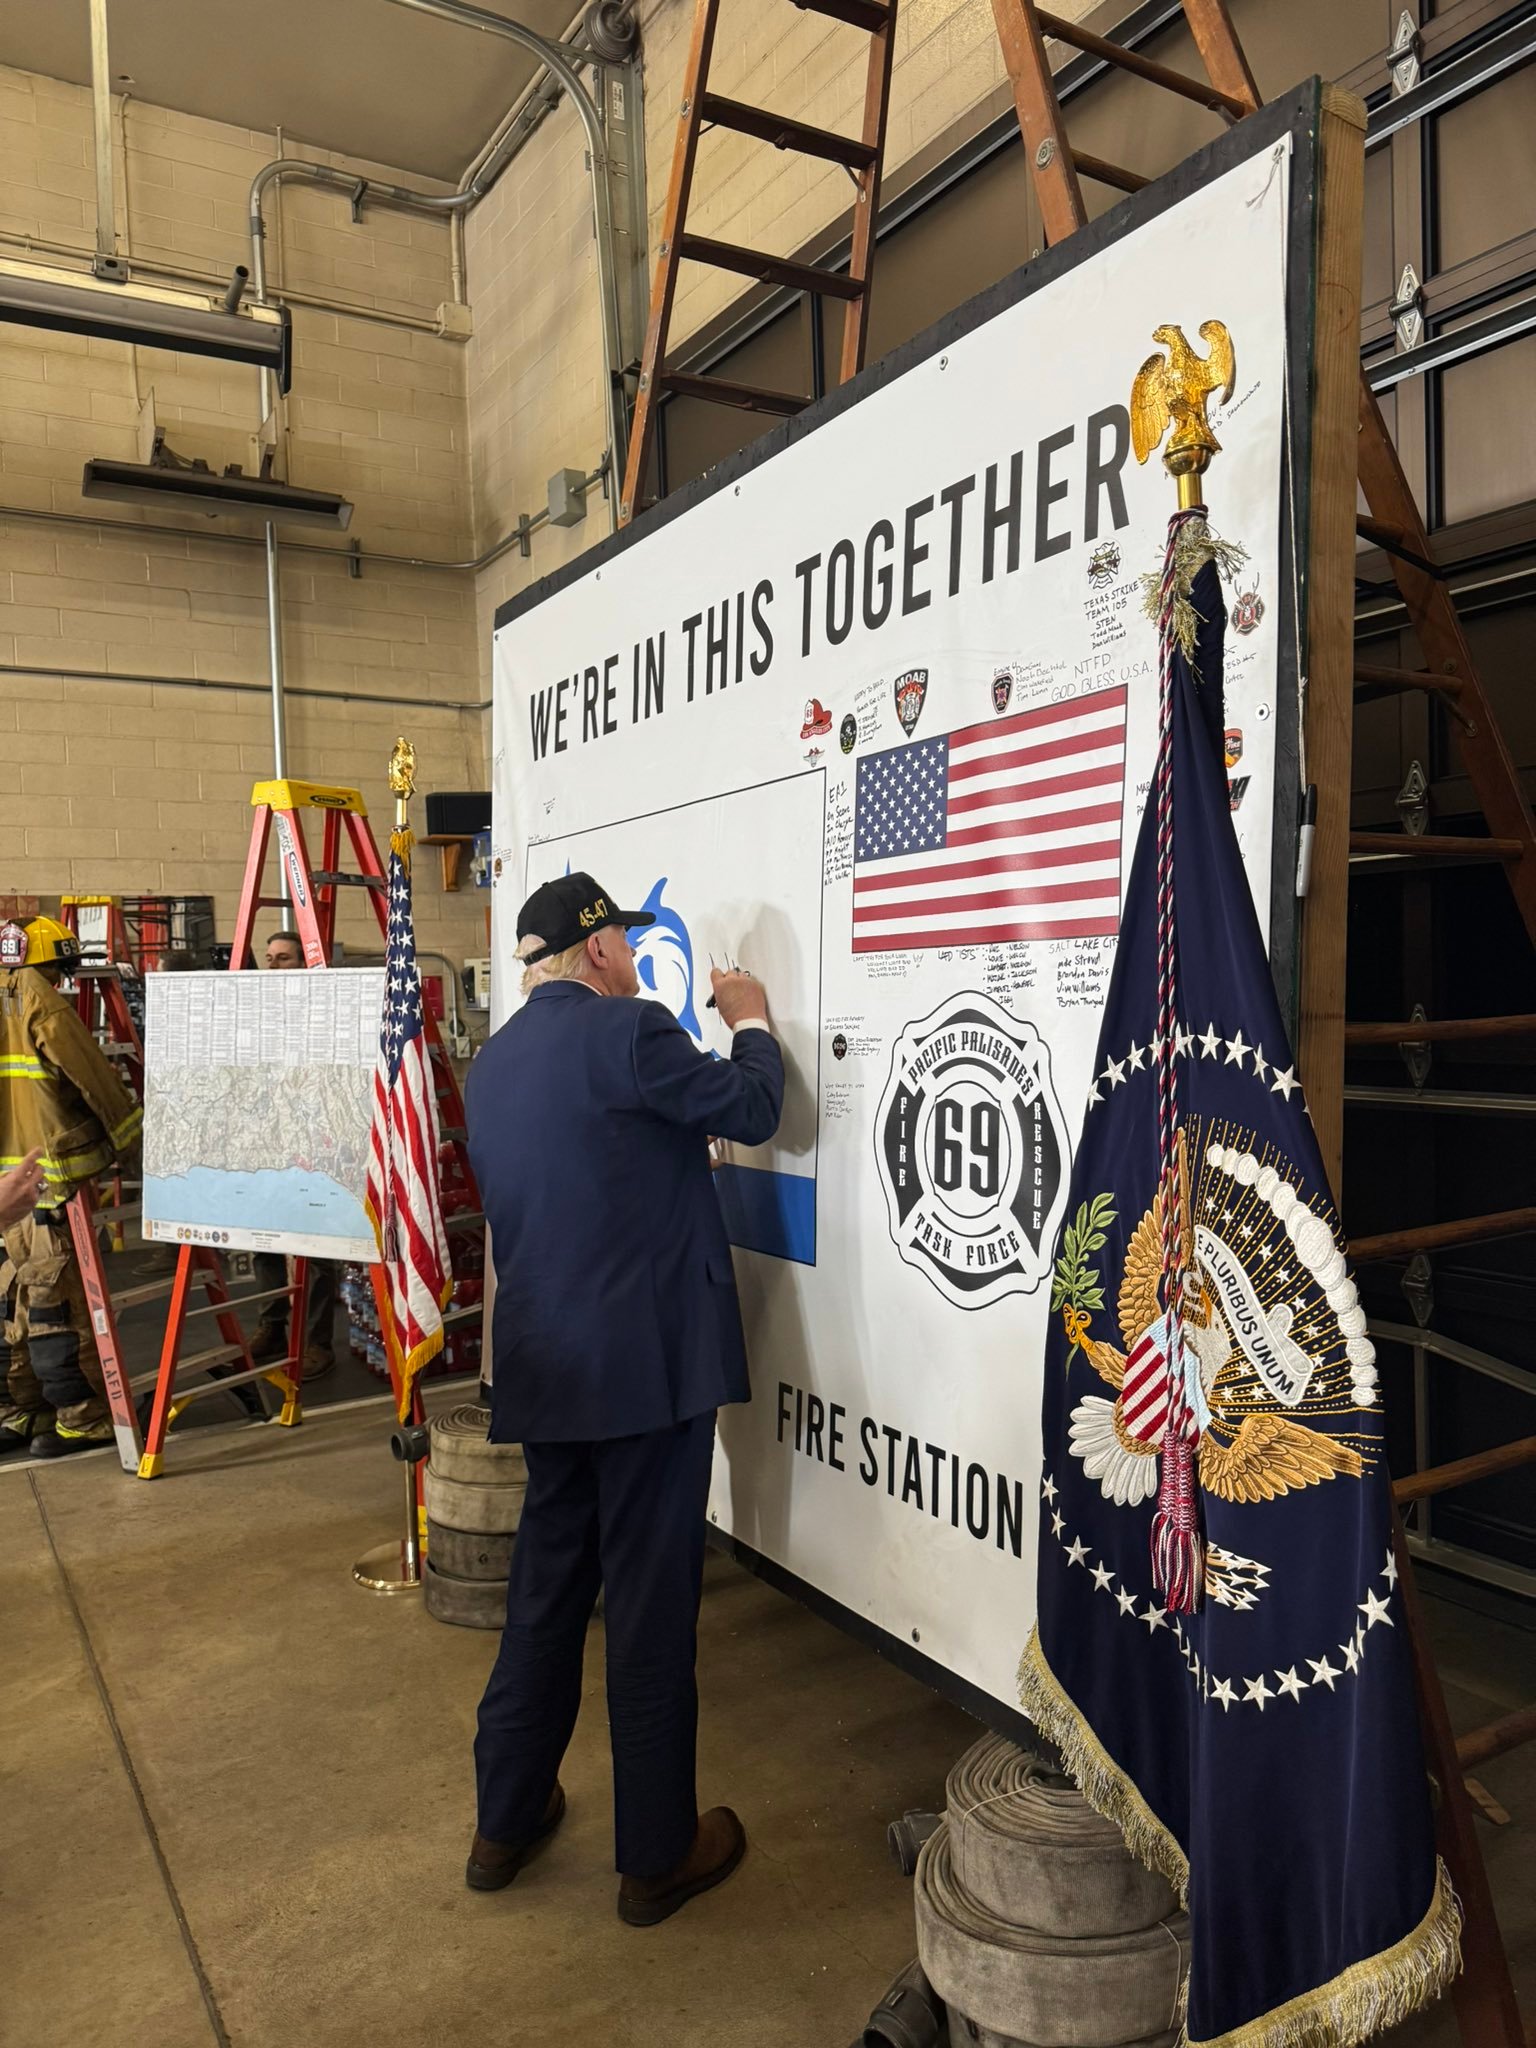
[
  {"x": 1413, "y": 800},
  {"x": 1417, "y": 1056},
  {"x": 620, "y": 99},
  {"x": 1418, "y": 1285},
  {"x": 1407, "y": 48},
  {"x": 1406, "y": 311}
]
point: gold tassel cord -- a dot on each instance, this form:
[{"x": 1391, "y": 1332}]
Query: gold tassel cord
[
  {"x": 1196, "y": 545},
  {"x": 1378, "y": 1992}
]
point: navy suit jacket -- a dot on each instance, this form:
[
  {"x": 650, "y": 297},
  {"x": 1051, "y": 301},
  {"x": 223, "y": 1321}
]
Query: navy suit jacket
[{"x": 589, "y": 1118}]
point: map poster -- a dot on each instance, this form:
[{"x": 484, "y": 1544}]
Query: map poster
[
  {"x": 872, "y": 710},
  {"x": 258, "y": 1099}
]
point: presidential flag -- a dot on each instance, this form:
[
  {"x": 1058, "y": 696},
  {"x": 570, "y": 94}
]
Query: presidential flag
[
  {"x": 1003, "y": 831},
  {"x": 403, "y": 1198},
  {"x": 1221, "y": 1651}
]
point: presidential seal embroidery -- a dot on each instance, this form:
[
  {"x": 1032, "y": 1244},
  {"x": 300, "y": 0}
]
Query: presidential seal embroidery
[
  {"x": 972, "y": 1151},
  {"x": 1277, "y": 1361}
]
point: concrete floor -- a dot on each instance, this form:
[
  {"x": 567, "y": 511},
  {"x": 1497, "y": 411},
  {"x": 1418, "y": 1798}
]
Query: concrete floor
[{"x": 235, "y": 1790}]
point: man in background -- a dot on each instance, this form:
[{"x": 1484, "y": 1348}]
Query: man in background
[
  {"x": 285, "y": 952},
  {"x": 63, "y": 1106},
  {"x": 616, "y": 1336}
]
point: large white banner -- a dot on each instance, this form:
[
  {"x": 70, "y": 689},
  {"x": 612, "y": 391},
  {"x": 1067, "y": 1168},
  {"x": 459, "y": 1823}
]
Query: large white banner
[{"x": 876, "y": 719}]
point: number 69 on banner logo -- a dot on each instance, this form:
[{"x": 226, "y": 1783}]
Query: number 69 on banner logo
[{"x": 972, "y": 1151}]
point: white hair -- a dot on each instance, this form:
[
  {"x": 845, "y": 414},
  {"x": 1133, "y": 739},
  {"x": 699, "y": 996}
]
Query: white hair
[{"x": 571, "y": 965}]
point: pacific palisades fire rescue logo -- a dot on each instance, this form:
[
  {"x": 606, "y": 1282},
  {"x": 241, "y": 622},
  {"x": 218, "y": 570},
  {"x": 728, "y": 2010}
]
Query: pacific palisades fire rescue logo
[{"x": 972, "y": 1151}]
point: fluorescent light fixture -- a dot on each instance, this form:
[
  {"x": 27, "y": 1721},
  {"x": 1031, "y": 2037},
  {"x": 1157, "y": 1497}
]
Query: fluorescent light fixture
[
  {"x": 154, "y": 316},
  {"x": 200, "y": 490}
]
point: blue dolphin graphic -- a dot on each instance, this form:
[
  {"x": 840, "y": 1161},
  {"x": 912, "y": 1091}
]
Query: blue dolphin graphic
[{"x": 670, "y": 932}]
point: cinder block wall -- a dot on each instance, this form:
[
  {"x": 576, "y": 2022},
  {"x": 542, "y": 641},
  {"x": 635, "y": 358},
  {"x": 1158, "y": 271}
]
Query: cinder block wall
[
  {"x": 138, "y": 785},
  {"x": 144, "y": 785},
  {"x": 534, "y": 364}
]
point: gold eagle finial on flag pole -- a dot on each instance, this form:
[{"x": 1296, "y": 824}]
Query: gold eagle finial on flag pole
[
  {"x": 402, "y": 776},
  {"x": 1175, "y": 389}
]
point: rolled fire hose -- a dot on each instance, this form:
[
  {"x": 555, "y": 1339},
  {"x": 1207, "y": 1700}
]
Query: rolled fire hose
[
  {"x": 1026, "y": 1986},
  {"x": 1029, "y": 1849}
]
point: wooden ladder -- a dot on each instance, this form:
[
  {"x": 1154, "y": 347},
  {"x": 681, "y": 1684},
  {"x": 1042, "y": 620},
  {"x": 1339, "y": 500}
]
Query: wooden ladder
[
  {"x": 1484, "y": 1994},
  {"x": 861, "y": 157}
]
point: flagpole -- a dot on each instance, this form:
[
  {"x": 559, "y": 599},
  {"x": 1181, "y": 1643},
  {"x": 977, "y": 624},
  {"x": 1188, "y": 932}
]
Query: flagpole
[
  {"x": 1173, "y": 390},
  {"x": 395, "y": 1567}
]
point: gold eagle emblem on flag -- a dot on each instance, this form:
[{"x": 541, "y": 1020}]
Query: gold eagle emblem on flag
[{"x": 1270, "y": 1315}]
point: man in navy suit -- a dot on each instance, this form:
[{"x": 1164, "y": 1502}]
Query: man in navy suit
[{"x": 616, "y": 1335}]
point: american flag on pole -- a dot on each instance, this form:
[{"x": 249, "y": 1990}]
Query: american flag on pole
[
  {"x": 403, "y": 1202},
  {"x": 1002, "y": 831}
]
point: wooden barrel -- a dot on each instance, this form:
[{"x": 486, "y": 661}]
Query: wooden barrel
[
  {"x": 474, "y": 1500},
  {"x": 1026, "y": 1986},
  {"x": 1029, "y": 1849}
]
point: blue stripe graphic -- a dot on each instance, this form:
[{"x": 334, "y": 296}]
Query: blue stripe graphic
[{"x": 769, "y": 1212}]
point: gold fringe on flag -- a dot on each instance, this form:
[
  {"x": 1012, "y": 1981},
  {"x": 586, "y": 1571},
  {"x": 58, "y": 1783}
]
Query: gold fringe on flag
[
  {"x": 1195, "y": 546},
  {"x": 1376, "y": 1993},
  {"x": 401, "y": 840}
]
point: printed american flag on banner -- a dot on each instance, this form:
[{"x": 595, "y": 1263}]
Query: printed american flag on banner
[
  {"x": 403, "y": 1201},
  {"x": 1003, "y": 831}
]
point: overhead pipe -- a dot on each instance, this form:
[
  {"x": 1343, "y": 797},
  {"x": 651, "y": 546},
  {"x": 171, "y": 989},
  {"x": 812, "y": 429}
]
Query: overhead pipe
[
  {"x": 453, "y": 206},
  {"x": 33, "y": 246},
  {"x": 557, "y": 60},
  {"x": 355, "y": 553},
  {"x": 106, "y": 263}
]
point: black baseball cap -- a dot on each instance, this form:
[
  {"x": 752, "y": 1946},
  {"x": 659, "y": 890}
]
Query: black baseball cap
[{"x": 568, "y": 910}]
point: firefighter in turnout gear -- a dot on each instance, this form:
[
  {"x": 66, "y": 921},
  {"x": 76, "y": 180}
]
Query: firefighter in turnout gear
[{"x": 60, "y": 1098}]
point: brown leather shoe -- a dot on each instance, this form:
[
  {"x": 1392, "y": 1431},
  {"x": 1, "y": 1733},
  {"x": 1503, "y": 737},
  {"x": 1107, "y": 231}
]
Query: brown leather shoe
[
  {"x": 719, "y": 1844},
  {"x": 494, "y": 1864}
]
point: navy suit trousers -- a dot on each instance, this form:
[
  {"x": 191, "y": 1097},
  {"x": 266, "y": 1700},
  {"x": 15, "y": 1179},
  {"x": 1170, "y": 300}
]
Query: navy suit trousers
[{"x": 626, "y": 1514}]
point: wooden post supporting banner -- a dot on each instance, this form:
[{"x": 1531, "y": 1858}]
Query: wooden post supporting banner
[{"x": 1329, "y": 596}]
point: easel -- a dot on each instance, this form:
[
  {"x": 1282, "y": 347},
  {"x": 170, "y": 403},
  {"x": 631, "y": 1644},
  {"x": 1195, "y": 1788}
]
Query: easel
[
  {"x": 1350, "y": 447},
  {"x": 311, "y": 904}
]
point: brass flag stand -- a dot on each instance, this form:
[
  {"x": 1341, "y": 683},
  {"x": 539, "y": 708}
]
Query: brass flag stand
[{"x": 395, "y": 1566}]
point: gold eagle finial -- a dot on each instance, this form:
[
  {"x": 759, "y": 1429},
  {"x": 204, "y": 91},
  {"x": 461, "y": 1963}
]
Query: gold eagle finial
[
  {"x": 402, "y": 768},
  {"x": 1175, "y": 389}
]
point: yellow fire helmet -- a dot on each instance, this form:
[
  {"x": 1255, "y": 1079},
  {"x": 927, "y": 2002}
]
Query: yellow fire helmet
[{"x": 51, "y": 944}]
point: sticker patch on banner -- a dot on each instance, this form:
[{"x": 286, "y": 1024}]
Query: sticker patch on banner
[
  {"x": 1104, "y": 565},
  {"x": 911, "y": 694},
  {"x": 972, "y": 1151}
]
